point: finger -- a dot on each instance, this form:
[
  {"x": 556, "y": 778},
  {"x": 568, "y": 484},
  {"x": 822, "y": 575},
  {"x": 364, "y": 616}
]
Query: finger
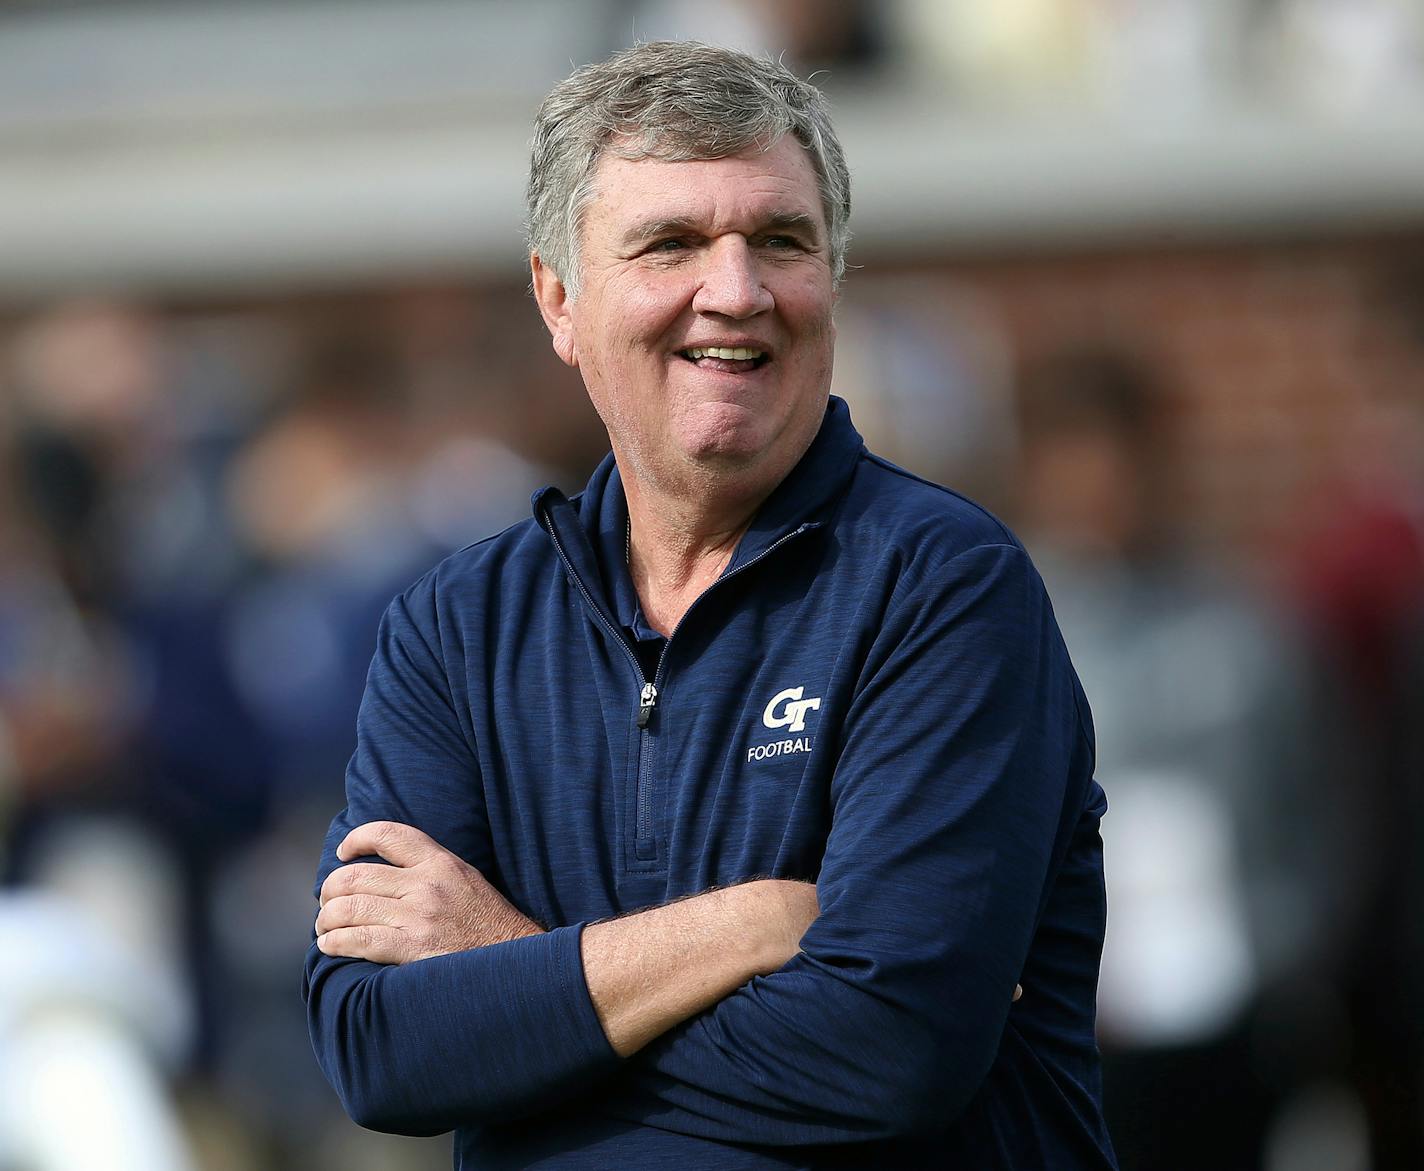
[
  {"x": 380, "y": 945},
  {"x": 401, "y": 845},
  {"x": 358, "y": 911},
  {"x": 370, "y": 878},
  {"x": 1018, "y": 992}
]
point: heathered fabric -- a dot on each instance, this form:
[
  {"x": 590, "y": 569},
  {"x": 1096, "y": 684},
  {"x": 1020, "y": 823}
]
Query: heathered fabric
[{"x": 940, "y": 794}]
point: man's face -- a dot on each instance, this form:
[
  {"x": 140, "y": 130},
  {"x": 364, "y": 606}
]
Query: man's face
[{"x": 728, "y": 255}]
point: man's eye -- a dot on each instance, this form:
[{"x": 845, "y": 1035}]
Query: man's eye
[
  {"x": 668, "y": 246},
  {"x": 781, "y": 242}
]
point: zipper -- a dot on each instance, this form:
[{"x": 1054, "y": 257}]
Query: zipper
[
  {"x": 608, "y": 626},
  {"x": 644, "y": 841},
  {"x": 644, "y": 845},
  {"x": 646, "y": 702}
]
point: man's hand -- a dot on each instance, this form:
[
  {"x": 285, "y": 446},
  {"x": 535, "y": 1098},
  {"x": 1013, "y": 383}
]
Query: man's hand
[{"x": 427, "y": 902}]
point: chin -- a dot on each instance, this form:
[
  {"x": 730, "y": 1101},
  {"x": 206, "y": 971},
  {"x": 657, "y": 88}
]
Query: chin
[
  {"x": 727, "y": 445},
  {"x": 735, "y": 438}
]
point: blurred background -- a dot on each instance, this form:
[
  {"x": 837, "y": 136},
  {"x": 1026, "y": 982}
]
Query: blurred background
[{"x": 1144, "y": 276}]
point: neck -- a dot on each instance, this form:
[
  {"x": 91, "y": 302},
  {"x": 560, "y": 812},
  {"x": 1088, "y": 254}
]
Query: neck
[{"x": 677, "y": 548}]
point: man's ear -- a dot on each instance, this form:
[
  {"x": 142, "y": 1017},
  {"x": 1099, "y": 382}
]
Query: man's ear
[{"x": 553, "y": 302}]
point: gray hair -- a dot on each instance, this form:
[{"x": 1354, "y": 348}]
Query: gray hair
[{"x": 671, "y": 100}]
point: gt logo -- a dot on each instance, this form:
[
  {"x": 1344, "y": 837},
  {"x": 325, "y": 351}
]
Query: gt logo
[{"x": 793, "y": 717}]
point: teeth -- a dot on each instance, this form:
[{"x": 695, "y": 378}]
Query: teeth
[{"x": 727, "y": 353}]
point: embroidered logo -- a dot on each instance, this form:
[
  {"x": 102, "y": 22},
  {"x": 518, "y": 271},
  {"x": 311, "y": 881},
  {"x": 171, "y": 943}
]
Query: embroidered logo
[
  {"x": 793, "y": 714},
  {"x": 786, "y": 710}
]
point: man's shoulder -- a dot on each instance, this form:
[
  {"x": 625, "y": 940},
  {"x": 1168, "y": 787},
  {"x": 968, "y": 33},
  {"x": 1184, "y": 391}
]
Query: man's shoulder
[
  {"x": 472, "y": 577},
  {"x": 524, "y": 545},
  {"x": 893, "y": 506}
]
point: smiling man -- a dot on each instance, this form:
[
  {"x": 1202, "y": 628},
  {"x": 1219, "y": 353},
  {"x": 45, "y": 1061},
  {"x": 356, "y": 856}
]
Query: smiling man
[{"x": 710, "y": 819}]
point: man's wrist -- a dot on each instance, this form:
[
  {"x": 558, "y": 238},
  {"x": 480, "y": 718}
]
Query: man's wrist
[
  {"x": 650, "y": 971},
  {"x": 776, "y": 913}
]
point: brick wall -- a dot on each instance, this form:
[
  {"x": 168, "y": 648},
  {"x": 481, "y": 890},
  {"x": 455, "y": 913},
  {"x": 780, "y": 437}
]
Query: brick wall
[{"x": 1290, "y": 365}]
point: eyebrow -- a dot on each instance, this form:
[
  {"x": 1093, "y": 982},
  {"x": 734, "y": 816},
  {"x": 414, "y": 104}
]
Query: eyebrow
[{"x": 780, "y": 221}]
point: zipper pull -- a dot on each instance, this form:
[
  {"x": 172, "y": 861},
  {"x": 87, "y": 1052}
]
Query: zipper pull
[{"x": 646, "y": 702}]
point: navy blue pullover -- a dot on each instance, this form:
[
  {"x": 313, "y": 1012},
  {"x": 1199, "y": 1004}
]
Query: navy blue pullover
[{"x": 874, "y": 695}]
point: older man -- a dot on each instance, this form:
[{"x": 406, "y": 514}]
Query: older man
[{"x": 714, "y": 815}]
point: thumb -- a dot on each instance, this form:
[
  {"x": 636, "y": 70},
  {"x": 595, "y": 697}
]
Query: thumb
[{"x": 401, "y": 845}]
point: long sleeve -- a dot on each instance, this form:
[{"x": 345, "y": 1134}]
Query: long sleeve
[
  {"x": 963, "y": 778},
  {"x": 486, "y": 1034}
]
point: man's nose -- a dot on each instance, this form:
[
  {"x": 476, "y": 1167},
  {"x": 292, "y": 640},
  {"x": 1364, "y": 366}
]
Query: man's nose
[{"x": 732, "y": 284}]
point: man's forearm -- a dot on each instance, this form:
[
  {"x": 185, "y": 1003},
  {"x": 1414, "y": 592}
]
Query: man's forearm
[
  {"x": 645, "y": 972},
  {"x": 650, "y": 971}
]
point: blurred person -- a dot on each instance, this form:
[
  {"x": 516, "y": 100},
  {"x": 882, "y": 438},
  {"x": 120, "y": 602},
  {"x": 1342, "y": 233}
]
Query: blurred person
[
  {"x": 1222, "y": 885},
  {"x": 811, "y": 36},
  {"x": 95, "y": 416},
  {"x": 723, "y": 806},
  {"x": 1356, "y": 574},
  {"x": 89, "y": 408},
  {"x": 914, "y": 351},
  {"x": 319, "y": 500},
  {"x": 482, "y": 423},
  {"x": 77, "y": 382}
]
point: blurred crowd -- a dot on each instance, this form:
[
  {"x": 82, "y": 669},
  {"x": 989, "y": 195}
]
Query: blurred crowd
[
  {"x": 205, "y": 511},
  {"x": 203, "y": 520},
  {"x": 205, "y": 507}
]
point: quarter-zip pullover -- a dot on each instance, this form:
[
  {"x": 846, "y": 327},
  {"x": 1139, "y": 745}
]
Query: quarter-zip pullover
[{"x": 874, "y": 695}]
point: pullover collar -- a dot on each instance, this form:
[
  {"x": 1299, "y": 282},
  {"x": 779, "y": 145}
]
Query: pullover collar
[{"x": 592, "y": 529}]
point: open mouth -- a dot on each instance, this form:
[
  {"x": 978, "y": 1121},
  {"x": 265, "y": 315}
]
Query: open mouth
[{"x": 733, "y": 359}]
